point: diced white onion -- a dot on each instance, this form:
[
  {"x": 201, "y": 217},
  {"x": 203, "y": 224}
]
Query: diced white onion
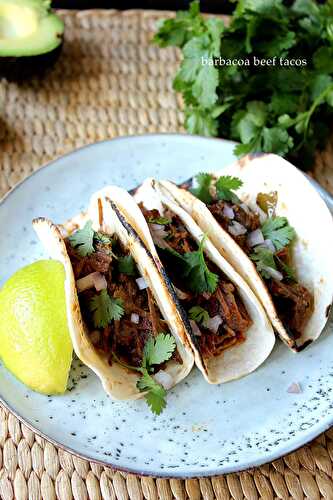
[
  {"x": 195, "y": 328},
  {"x": 93, "y": 280},
  {"x": 180, "y": 294},
  {"x": 294, "y": 388},
  {"x": 269, "y": 244},
  {"x": 214, "y": 323},
  {"x": 245, "y": 207},
  {"x": 141, "y": 282},
  {"x": 206, "y": 295},
  {"x": 236, "y": 229},
  {"x": 255, "y": 238},
  {"x": 100, "y": 282},
  {"x": 159, "y": 234},
  {"x": 228, "y": 212},
  {"x": 135, "y": 318},
  {"x": 155, "y": 227},
  {"x": 276, "y": 275},
  {"x": 164, "y": 379},
  {"x": 262, "y": 215},
  {"x": 158, "y": 230}
]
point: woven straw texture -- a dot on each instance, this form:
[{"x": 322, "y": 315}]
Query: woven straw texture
[{"x": 108, "y": 82}]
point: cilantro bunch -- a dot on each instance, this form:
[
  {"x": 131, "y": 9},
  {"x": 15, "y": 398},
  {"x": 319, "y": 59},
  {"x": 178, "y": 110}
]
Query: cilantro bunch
[{"x": 281, "y": 109}]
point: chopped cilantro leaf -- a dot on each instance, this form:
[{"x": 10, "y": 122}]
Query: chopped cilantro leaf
[
  {"x": 158, "y": 349},
  {"x": 83, "y": 240},
  {"x": 199, "y": 314},
  {"x": 105, "y": 309},
  {"x": 225, "y": 187},
  {"x": 127, "y": 265},
  {"x": 102, "y": 238},
  {"x": 263, "y": 259},
  {"x": 162, "y": 221},
  {"x": 278, "y": 230},
  {"x": 200, "y": 278},
  {"x": 155, "y": 395},
  {"x": 202, "y": 191}
]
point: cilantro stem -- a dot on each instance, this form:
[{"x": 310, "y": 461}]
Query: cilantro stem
[
  {"x": 202, "y": 243},
  {"x": 125, "y": 365},
  {"x": 315, "y": 104}
]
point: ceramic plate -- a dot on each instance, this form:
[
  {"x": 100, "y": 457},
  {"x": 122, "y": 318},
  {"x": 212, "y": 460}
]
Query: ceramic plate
[{"x": 205, "y": 430}]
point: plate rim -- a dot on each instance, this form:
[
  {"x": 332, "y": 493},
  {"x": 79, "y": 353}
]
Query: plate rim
[{"x": 317, "y": 429}]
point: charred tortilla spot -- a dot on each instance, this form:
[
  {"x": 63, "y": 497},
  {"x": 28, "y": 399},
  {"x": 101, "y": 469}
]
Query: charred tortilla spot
[
  {"x": 179, "y": 307},
  {"x": 161, "y": 269},
  {"x": 187, "y": 184},
  {"x": 303, "y": 346},
  {"x": 100, "y": 212}
]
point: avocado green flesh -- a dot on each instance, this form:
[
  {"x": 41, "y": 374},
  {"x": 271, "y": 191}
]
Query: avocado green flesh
[{"x": 27, "y": 30}]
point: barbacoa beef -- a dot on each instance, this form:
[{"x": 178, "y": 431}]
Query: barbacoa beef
[{"x": 294, "y": 304}]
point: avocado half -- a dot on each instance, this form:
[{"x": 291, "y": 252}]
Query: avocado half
[{"x": 31, "y": 37}]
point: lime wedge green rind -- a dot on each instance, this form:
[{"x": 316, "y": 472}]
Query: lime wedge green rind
[{"x": 35, "y": 343}]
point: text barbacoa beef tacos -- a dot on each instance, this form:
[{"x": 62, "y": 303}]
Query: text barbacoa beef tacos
[
  {"x": 267, "y": 220},
  {"x": 124, "y": 323},
  {"x": 230, "y": 333}
]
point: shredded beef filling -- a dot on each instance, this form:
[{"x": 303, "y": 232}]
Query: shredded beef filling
[
  {"x": 248, "y": 219},
  {"x": 294, "y": 303},
  {"x": 124, "y": 338},
  {"x": 224, "y": 302}
]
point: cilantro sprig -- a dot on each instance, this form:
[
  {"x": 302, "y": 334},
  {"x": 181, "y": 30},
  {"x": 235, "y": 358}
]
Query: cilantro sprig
[
  {"x": 126, "y": 265},
  {"x": 157, "y": 350},
  {"x": 202, "y": 190},
  {"x": 199, "y": 315},
  {"x": 278, "y": 230},
  {"x": 193, "y": 266},
  {"x": 264, "y": 259},
  {"x": 225, "y": 187},
  {"x": 105, "y": 309},
  {"x": 277, "y": 107},
  {"x": 83, "y": 240},
  {"x": 199, "y": 278},
  {"x": 161, "y": 221}
]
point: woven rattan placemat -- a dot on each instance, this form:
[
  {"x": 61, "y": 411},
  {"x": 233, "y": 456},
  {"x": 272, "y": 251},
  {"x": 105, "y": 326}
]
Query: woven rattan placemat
[{"x": 110, "y": 81}]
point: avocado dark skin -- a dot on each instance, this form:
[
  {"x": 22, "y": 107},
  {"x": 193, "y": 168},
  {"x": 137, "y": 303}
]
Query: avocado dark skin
[{"x": 20, "y": 69}]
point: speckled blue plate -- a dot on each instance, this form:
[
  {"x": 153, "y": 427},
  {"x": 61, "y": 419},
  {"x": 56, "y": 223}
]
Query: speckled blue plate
[{"x": 205, "y": 430}]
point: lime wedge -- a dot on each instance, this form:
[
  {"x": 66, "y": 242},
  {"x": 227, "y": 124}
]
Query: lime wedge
[{"x": 35, "y": 343}]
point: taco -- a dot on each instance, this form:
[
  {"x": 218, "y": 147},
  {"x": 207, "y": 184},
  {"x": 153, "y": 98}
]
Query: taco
[
  {"x": 267, "y": 220},
  {"x": 230, "y": 333},
  {"x": 125, "y": 324}
]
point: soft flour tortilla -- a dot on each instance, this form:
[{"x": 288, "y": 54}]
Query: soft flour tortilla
[
  {"x": 117, "y": 381},
  {"x": 241, "y": 359},
  {"x": 306, "y": 212}
]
